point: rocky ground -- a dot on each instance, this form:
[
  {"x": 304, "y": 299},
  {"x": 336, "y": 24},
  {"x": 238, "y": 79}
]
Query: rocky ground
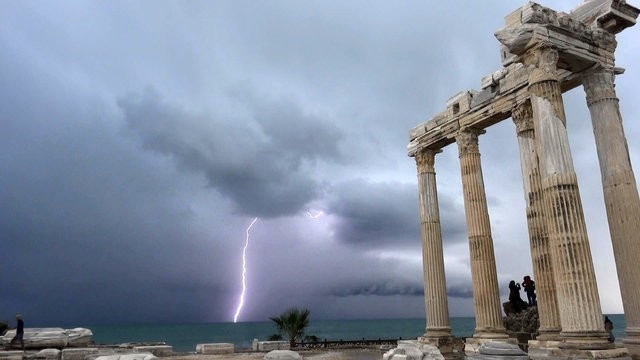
[{"x": 337, "y": 354}]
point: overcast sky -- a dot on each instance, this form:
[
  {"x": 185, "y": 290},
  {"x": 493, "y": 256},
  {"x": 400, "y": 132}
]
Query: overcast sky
[{"x": 138, "y": 140}]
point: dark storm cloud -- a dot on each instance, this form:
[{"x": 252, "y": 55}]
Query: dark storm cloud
[
  {"x": 463, "y": 292},
  {"x": 374, "y": 212},
  {"x": 389, "y": 288},
  {"x": 261, "y": 162},
  {"x": 377, "y": 212},
  {"x": 393, "y": 288}
]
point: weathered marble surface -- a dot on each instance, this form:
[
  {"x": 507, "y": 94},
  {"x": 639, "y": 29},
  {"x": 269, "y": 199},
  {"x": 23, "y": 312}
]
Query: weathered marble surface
[
  {"x": 140, "y": 356},
  {"x": 38, "y": 338},
  {"x": 270, "y": 345},
  {"x": 77, "y": 353},
  {"x": 282, "y": 355},
  {"x": 215, "y": 348},
  {"x": 79, "y": 337},
  {"x": 11, "y": 355},
  {"x": 46, "y": 354},
  {"x": 498, "y": 351},
  {"x": 413, "y": 350},
  {"x": 157, "y": 350}
]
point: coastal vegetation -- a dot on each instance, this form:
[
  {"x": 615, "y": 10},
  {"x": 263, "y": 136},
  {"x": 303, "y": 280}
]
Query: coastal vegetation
[{"x": 293, "y": 323}]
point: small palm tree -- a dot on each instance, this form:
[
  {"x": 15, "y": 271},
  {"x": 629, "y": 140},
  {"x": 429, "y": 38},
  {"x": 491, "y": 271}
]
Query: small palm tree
[{"x": 293, "y": 322}]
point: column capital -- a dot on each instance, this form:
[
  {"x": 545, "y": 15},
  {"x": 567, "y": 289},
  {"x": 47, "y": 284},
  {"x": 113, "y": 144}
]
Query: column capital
[
  {"x": 425, "y": 160},
  {"x": 599, "y": 85},
  {"x": 523, "y": 117},
  {"x": 467, "y": 140},
  {"x": 543, "y": 58}
]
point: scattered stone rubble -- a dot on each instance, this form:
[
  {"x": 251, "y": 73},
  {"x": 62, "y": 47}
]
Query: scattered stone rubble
[{"x": 413, "y": 350}]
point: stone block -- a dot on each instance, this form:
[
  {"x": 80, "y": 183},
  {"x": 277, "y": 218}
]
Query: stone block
[
  {"x": 273, "y": 345},
  {"x": 46, "y": 354},
  {"x": 500, "y": 348},
  {"x": 472, "y": 345},
  {"x": 79, "y": 337},
  {"x": 77, "y": 353},
  {"x": 413, "y": 350},
  {"x": 137, "y": 356},
  {"x": 39, "y": 337},
  {"x": 11, "y": 355},
  {"x": 282, "y": 355},
  {"x": 215, "y": 348},
  {"x": 616, "y": 353},
  {"x": 157, "y": 350}
]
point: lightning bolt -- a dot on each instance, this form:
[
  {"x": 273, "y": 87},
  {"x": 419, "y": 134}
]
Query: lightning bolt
[
  {"x": 320, "y": 213},
  {"x": 244, "y": 272}
]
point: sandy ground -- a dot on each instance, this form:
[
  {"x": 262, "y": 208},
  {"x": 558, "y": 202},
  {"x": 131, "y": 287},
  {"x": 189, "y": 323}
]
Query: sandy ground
[{"x": 335, "y": 354}]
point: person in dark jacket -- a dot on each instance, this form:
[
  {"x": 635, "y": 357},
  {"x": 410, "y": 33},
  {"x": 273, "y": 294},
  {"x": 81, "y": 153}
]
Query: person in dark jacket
[
  {"x": 530, "y": 288},
  {"x": 19, "y": 332}
]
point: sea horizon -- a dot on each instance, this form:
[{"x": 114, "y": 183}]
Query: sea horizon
[{"x": 185, "y": 336}]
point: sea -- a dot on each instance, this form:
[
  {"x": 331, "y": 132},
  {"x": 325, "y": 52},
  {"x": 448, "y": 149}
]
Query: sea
[{"x": 184, "y": 337}]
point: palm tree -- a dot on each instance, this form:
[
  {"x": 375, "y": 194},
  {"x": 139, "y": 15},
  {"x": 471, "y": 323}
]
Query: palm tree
[{"x": 293, "y": 322}]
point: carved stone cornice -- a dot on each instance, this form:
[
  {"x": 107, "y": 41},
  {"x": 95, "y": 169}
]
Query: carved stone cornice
[
  {"x": 523, "y": 117},
  {"x": 425, "y": 160},
  {"x": 467, "y": 140},
  {"x": 543, "y": 60},
  {"x": 599, "y": 85}
]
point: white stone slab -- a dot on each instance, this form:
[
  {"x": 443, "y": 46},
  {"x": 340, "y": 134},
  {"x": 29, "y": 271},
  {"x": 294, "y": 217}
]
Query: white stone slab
[
  {"x": 11, "y": 355},
  {"x": 157, "y": 350},
  {"x": 140, "y": 356},
  {"x": 79, "y": 337},
  {"x": 51, "y": 337},
  {"x": 273, "y": 345},
  {"x": 215, "y": 348},
  {"x": 282, "y": 355},
  {"x": 77, "y": 353},
  {"x": 39, "y": 337},
  {"x": 46, "y": 354}
]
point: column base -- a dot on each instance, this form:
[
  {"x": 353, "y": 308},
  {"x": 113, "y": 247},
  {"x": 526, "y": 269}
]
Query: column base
[
  {"x": 472, "y": 345},
  {"x": 595, "y": 340},
  {"x": 549, "y": 335},
  {"x": 438, "y": 332},
  {"x": 444, "y": 343},
  {"x": 547, "y": 350},
  {"x": 632, "y": 343}
]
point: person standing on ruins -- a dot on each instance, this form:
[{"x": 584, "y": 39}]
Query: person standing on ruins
[
  {"x": 530, "y": 288},
  {"x": 514, "y": 297},
  {"x": 19, "y": 332},
  {"x": 608, "y": 326}
]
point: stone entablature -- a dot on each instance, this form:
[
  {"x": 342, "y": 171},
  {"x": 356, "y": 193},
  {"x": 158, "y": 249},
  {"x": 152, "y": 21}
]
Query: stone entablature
[{"x": 580, "y": 46}]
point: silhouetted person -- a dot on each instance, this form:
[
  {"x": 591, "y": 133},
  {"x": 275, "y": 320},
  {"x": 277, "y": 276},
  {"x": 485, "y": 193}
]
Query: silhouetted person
[
  {"x": 608, "y": 326},
  {"x": 530, "y": 288},
  {"x": 19, "y": 332},
  {"x": 514, "y": 297}
]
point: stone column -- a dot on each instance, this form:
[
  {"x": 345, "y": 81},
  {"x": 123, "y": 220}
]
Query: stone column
[
  {"x": 536, "y": 222},
  {"x": 435, "y": 286},
  {"x": 620, "y": 194},
  {"x": 578, "y": 300},
  {"x": 486, "y": 295}
]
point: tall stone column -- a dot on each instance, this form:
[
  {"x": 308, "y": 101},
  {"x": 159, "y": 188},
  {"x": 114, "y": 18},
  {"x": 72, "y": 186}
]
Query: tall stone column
[
  {"x": 620, "y": 194},
  {"x": 578, "y": 300},
  {"x": 486, "y": 295},
  {"x": 536, "y": 222},
  {"x": 435, "y": 286}
]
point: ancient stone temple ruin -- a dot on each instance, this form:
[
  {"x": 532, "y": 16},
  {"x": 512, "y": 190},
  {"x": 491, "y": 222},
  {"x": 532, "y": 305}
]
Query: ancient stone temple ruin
[{"x": 544, "y": 53}]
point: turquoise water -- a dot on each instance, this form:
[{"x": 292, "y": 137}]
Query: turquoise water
[{"x": 184, "y": 337}]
